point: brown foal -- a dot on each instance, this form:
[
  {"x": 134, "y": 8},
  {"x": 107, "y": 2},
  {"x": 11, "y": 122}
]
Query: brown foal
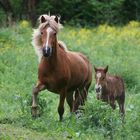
[{"x": 110, "y": 88}]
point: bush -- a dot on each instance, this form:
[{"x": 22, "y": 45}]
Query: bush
[{"x": 100, "y": 117}]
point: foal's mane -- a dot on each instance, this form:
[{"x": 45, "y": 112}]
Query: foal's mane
[{"x": 36, "y": 36}]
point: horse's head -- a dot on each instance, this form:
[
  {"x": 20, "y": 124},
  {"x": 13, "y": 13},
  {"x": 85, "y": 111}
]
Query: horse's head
[
  {"x": 100, "y": 77},
  {"x": 48, "y": 32}
]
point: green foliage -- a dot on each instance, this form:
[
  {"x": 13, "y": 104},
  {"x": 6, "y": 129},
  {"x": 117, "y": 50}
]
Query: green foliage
[
  {"x": 131, "y": 10},
  {"x": 93, "y": 12},
  {"x": 2, "y": 17},
  {"x": 115, "y": 46},
  {"x": 78, "y": 12}
]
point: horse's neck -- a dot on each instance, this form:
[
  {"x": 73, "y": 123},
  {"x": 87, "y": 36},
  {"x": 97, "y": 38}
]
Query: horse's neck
[
  {"x": 105, "y": 89},
  {"x": 54, "y": 56}
]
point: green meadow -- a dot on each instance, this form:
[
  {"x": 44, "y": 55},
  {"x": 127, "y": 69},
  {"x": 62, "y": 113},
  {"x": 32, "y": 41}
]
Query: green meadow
[{"x": 118, "y": 47}]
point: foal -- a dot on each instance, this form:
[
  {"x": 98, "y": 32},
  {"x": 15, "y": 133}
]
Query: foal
[{"x": 109, "y": 88}]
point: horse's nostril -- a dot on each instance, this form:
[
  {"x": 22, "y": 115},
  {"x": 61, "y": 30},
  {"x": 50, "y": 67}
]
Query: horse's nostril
[
  {"x": 97, "y": 90},
  {"x": 46, "y": 52},
  {"x": 44, "y": 49}
]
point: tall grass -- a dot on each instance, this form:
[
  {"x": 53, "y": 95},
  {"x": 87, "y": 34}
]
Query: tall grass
[{"x": 118, "y": 47}]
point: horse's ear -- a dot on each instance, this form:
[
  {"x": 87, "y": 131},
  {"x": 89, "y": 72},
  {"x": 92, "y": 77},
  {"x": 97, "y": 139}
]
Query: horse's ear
[
  {"x": 42, "y": 19},
  {"x": 106, "y": 69},
  {"x": 95, "y": 69},
  {"x": 56, "y": 19}
]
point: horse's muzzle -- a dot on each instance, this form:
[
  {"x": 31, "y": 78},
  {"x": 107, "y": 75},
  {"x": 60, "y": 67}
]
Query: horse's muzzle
[
  {"x": 98, "y": 90},
  {"x": 47, "y": 51}
]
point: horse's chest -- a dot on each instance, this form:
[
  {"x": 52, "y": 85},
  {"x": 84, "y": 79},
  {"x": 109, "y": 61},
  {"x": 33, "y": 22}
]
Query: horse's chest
[{"x": 54, "y": 83}]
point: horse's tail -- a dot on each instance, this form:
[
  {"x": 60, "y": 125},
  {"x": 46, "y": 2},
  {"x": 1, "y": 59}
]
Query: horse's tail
[{"x": 63, "y": 45}]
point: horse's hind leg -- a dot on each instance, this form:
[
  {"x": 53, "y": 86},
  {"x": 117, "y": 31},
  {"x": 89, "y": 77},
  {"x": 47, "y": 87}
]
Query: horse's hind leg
[
  {"x": 86, "y": 88},
  {"x": 35, "y": 92},
  {"x": 83, "y": 95},
  {"x": 121, "y": 101},
  {"x": 78, "y": 100},
  {"x": 70, "y": 101}
]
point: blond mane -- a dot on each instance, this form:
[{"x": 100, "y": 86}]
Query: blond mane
[{"x": 36, "y": 36}]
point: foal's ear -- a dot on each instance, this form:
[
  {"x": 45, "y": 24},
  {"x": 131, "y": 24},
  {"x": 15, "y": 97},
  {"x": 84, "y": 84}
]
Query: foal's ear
[
  {"x": 56, "y": 19},
  {"x": 42, "y": 19},
  {"x": 106, "y": 69},
  {"x": 95, "y": 69}
]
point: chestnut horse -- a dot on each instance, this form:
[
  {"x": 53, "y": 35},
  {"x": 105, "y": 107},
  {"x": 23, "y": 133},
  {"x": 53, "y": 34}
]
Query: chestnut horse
[
  {"x": 110, "y": 88},
  {"x": 59, "y": 71}
]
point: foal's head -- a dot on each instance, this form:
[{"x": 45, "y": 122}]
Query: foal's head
[
  {"x": 100, "y": 76},
  {"x": 48, "y": 28}
]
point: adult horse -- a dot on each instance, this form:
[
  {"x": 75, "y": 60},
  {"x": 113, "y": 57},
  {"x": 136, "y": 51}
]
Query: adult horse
[{"x": 60, "y": 71}]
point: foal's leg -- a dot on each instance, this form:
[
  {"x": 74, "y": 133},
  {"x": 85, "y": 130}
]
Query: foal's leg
[
  {"x": 61, "y": 105},
  {"x": 112, "y": 102},
  {"x": 121, "y": 101},
  {"x": 35, "y": 92}
]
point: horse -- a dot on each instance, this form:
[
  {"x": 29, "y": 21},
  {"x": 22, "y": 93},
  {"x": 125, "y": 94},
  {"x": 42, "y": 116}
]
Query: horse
[
  {"x": 110, "y": 88},
  {"x": 66, "y": 73}
]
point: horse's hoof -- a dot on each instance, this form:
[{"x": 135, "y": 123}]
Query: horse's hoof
[
  {"x": 34, "y": 117},
  {"x": 34, "y": 112},
  {"x": 61, "y": 119}
]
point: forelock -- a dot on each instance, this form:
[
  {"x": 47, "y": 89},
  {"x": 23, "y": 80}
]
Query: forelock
[{"x": 50, "y": 20}]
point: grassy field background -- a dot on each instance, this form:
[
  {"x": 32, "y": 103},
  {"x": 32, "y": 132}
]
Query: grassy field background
[{"x": 118, "y": 47}]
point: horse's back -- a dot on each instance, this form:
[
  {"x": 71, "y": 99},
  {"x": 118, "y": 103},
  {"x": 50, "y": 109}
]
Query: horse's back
[
  {"x": 89, "y": 77},
  {"x": 116, "y": 85},
  {"x": 79, "y": 66}
]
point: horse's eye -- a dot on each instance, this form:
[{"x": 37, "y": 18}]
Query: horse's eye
[{"x": 41, "y": 33}]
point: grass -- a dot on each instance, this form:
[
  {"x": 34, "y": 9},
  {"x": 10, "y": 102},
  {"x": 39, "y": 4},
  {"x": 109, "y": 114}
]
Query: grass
[{"x": 118, "y": 47}]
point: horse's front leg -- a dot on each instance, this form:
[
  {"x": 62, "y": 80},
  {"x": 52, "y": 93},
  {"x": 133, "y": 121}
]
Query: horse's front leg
[
  {"x": 39, "y": 86},
  {"x": 61, "y": 105},
  {"x": 112, "y": 102}
]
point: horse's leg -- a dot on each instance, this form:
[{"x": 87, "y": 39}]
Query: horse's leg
[
  {"x": 35, "y": 92},
  {"x": 112, "y": 102},
  {"x": 78, "y": 100},
  {"x": 85, "y": 93},
  {"x": 69, "y": 98},
  {"x": 121, "y": 101},
  {"x": 61, "y": 105},
  {"x": 86, "y": 88}
]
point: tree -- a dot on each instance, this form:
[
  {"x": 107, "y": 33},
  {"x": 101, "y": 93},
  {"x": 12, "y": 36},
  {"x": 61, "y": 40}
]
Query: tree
[
  {"x": 31, "y": 11},
  {"x": 10, "y": 17}
]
